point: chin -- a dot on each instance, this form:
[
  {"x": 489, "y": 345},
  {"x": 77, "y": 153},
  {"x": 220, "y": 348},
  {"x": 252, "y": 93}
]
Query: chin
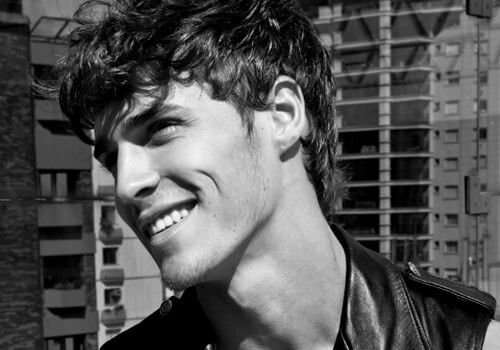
[{"x": 179, "y": 276}]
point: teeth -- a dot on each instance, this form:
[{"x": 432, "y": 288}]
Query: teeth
[
  {"x": 160, "y": 224},
  {"x": 167, "y": 220},
  {"x": 175, "y": 216}
]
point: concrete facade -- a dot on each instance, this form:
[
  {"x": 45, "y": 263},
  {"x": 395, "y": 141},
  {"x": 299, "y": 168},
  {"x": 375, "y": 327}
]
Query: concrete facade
[{"x": 20, "y": 288}]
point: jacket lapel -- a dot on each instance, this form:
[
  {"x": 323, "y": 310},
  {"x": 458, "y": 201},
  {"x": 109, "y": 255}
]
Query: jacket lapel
[{"x": 378, "y": 312}]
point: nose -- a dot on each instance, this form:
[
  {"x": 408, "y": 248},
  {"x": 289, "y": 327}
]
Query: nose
[{"x": 135, "y": 177}]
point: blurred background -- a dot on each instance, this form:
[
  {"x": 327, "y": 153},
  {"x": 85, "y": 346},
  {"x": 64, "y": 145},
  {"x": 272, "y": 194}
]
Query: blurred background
[{"x": 418, "y": 87}]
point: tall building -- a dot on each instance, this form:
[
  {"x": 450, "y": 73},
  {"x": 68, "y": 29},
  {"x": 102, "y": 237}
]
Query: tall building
[
  {"x": 63, "y": 165},
  {"x": 406, "y": 99},
  {"x": 21, "y": 310}
]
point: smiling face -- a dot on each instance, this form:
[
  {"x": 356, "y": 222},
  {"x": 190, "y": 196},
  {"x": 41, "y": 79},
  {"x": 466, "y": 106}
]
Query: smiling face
[{"x": 190, "y": 181}]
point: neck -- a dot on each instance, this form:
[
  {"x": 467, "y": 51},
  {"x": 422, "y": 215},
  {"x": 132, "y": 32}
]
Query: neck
[{"x": 287, "y": 290}]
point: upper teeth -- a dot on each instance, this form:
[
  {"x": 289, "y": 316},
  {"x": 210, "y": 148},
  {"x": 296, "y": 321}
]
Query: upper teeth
[{"x": 167, "y": 220}]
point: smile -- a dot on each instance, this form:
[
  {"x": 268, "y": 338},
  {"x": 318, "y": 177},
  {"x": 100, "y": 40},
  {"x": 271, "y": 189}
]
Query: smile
[{"x": 169, "y": 219}]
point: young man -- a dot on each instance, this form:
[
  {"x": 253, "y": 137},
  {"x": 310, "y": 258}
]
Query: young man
[{"x": 216, "y": 119}]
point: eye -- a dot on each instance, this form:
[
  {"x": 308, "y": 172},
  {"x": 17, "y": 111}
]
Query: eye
[{"x": 162, "y": 131}]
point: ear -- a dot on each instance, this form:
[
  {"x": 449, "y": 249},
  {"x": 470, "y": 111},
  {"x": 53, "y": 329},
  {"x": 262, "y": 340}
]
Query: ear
[{"x": 289, "y": 122}]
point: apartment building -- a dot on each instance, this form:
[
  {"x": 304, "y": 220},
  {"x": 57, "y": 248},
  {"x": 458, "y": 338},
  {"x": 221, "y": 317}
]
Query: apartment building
[
  {"x": 406, "y": 100},
  {"x": 64, "y": 196},
  {"x": 21, "y": 312}
]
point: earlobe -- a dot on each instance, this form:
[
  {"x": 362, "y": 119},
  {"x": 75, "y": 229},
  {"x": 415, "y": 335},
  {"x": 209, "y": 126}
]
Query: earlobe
[{"x": 289, "y": 118}]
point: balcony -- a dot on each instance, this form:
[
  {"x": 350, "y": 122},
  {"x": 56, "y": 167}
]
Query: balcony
[
  {"x": 361, "y": 170},
  {"x": 114, "y": 317},
  {"x": 413, "y": 224},
  {"x": 69, "y": 321},
  {"x": 359, "y": 143},
  {"x": 410, "y": 169},
  {"x": 56, "y": 150},
  {"x": 419, "y": 5},
  {"x": 111, "y": 235},
  {"x": 84, "y": 245},
  {"x": 360, "y": 224},
  {"x": 362, "y": 198},
  {"x": 57, "y": 298},
  {"x": 405, "y": 250},
  {"x": 359, "y": 115},
  {"x": 410, "y": 141},
  {"x": 410, "y": 113},
  {"x": 60, "y": 214},
  {"x": 113, "y": 276}
]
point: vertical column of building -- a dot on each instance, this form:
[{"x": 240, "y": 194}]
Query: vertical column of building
[
  {"x": 385, "y": 122},
  {"x": 65, "y": 214},
  {"x": 20, "y": 290}
]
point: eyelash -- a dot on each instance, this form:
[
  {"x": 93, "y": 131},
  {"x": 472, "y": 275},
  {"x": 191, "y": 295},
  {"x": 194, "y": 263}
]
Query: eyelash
[{"x": 161, "y": 127}]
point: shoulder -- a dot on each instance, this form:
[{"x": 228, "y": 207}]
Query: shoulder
[
  {"x": 492, "y": 338},
  {"x": 452, "y": 314}
]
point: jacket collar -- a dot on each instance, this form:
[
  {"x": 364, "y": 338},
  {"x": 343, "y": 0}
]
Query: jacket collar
[{"x": 377, "y": 310}]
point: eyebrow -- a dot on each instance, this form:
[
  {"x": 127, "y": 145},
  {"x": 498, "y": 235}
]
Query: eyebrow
[{"x": 131, "y": 122}]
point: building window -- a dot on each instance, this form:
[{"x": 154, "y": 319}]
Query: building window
[
  {"x": 108, "y": 217},
  {"x": 483, "y": 106},
  {"x": 483, "y": 188},
  {"x": 452, "y": 49},
  {"x": 453, "y": 77},
  {"x": 436, "y": 191},
  {"x": 451, "y": 247},
  {"x": 58, "y": 184},
  {"x": 112, "y": 296},
  {"x": 451, "y": 136},
  {"x": 451, "y": 220},
  {"x": 437, "y": 106},
  {"x": 451, "y": 192},
  {"x": 451, "y": 164},
  {"x": 483, "y": 163},
  {"x": 483, "y": 78},
  {"x": 109, "y": 255},
  {"x": 451, "y": 107},
  {"x": 483, "y": 134}
]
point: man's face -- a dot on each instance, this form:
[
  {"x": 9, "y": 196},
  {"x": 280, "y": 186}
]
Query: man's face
[{"x": 190, "y": 181}]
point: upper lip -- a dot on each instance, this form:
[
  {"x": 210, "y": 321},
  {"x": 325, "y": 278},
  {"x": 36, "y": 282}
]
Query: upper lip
[{"x": 150, "y": 215}]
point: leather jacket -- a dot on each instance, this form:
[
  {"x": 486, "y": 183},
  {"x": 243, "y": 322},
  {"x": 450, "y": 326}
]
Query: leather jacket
[{"x": 385, "y": 307}]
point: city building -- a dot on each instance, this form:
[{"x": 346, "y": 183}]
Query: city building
[
  {"x": 406, "y": 101},
  {"x": 21, "y": 312},
  {"x": 64, "y": 196}
]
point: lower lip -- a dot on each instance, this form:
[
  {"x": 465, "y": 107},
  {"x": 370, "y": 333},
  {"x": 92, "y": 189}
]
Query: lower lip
[{"x": 169, "y": 233}]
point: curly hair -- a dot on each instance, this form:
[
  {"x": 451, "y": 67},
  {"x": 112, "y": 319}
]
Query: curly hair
[{"x": 237, "y": 47}]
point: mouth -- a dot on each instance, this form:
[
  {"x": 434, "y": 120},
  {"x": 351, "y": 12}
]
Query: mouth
[{"x": 169, "y": 219}]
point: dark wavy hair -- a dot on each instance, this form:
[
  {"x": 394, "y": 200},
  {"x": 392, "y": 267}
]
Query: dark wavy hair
[{"x": 237, "y": 47}]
